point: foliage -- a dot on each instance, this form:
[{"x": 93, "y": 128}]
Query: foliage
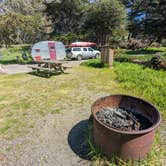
[
  {"x": 94, "y": 63},
  {"x": 69, "y": 37},
  {"x": 164, "y": 42},
  {"x": 157, "y": 62},
  {"x": 148, "y": 83},
  {"x": 146, "y": 19},
  {"x": 66, "y": 16},
  {"x": 9, "y": 55},
  {"x": 17, "y": 28},
  {"x": 21, "y": 21},
  {"x": 154, "y": 22},
  {"x": 118, "y": 35},
  {"x": 25, "y": 7},
  {"x": 103, "y": 17},
  {"x": 141, "y": 54},
  {"x": 133, "y": 44}
]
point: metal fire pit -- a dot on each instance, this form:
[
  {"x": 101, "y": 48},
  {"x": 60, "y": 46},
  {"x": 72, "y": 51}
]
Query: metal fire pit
[{"x": 133, "y": 145}]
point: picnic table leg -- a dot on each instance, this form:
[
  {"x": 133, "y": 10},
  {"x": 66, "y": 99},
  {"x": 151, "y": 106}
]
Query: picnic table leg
[
  {"x": 60, "y": 68},
  {"x": 37, "y": 71}
]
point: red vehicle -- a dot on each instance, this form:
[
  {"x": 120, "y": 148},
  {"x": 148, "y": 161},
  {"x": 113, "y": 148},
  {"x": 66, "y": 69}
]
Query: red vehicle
[{"x": 82, "y": 44}]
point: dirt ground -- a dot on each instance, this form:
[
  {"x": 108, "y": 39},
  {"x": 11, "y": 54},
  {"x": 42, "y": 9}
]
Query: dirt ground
[
  {"x": 19, "y": 68},
  {"x": 56, "y": 140}
]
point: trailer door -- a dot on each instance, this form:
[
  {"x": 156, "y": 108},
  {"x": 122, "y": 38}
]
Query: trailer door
[{"x": 52, "y": 50}]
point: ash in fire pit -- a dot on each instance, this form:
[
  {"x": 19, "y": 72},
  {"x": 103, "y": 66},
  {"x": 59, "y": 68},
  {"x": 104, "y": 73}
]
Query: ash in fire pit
[{"x": 122, "y": 119}]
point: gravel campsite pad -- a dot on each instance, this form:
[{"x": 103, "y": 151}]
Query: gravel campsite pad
[
  {"x": 57, "y": 113},
  {"x": 44, "y": 120}
]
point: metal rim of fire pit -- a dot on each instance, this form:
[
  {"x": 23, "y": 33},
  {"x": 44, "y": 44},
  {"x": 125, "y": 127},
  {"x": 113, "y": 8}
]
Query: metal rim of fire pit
[{"x": 128, "y": 132}]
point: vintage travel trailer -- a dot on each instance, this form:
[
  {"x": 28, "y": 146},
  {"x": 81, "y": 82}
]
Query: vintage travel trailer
[{"x": 48, "y": 50}]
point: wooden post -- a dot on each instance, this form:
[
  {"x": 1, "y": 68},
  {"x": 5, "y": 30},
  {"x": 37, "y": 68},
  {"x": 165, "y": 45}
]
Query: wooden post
[
  {"x": 104, "y": 54},
  {"x": 111, "y": 57},
  {"x": 107, "y": 56}
]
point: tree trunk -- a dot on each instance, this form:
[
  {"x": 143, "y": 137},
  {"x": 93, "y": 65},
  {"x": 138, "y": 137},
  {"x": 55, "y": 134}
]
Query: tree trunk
[{"x": 107, "y": 56}]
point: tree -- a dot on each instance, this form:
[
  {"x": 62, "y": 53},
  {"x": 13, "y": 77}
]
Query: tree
[
  {"x": 25, "y": 7},
  {"x": 146, "y": 19},
  {"x": 17, "y": 28},
  {"x": 154, "y": 23},
  {"x": 103, "y": 17},
  {"x": 66, "y": 15},
  {"x": 21, "y": 21}
]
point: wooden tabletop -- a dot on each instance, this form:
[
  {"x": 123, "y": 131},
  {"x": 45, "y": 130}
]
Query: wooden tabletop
[{"x": 51, "y": 61}]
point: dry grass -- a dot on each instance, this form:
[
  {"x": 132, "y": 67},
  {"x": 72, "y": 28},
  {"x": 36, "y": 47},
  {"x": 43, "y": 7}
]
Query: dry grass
[{"x": 24, "y": 98}]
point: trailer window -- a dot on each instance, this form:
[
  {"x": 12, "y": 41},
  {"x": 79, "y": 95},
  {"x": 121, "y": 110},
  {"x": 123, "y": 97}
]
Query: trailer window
[
  {"x": 52, "y": 47},
  {"x": 37, "y": 50}
]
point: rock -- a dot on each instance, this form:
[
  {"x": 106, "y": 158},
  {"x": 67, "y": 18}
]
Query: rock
[
  {"x": 2, "y": 70},
  {"x": 122, "y": 119}
]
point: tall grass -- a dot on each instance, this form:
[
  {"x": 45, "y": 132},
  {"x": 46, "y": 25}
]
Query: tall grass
[{"x": 144, "y": 82}]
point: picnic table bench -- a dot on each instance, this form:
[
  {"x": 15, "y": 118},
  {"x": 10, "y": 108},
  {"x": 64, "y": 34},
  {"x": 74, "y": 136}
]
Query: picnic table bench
[{"x": 49, "y": 66}]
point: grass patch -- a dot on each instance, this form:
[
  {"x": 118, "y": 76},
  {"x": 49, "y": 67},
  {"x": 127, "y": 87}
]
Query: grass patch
[
  {"x": 9, "y": 55},
  {"x": 123, "y": 55},
  {"x": 94, "y": 63},
  {"x": 25, "y": 98},
  {"x": 143, "y": 82}
]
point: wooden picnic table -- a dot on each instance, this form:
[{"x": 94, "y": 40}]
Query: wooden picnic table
[{"x": 49, "y": 66}]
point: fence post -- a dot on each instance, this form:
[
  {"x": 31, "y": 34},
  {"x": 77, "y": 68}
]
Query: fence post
[
  {"x": 111, "y": 57},
  {"x": 107, "y": 56}
]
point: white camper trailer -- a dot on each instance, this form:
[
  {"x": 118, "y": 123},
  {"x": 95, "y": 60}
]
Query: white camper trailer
[{"x": 48, "y": 50}]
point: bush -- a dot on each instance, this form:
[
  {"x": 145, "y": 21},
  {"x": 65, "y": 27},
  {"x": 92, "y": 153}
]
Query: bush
[
  {"x": 133, "y": 44},
  {"x": 163, "y": 42},
  {"x": 158, "y": 62}
]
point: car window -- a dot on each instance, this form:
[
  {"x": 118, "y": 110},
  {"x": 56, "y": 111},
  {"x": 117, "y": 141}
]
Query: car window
[
  {"x": 84, "y": 49},
  {"x": 90, "y": 49},
  {"x": 76, "y": 49},
  {"x": 68, "y": 50}
]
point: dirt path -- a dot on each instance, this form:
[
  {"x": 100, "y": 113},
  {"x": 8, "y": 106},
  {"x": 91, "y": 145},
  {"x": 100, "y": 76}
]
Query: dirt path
[
  {"x": 18, "y": 68},
  {"x": 57, "y": 139}
]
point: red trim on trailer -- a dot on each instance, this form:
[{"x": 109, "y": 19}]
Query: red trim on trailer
[
  {"x": 52, "y": 50},
  {"x": 37, "y": 57}
]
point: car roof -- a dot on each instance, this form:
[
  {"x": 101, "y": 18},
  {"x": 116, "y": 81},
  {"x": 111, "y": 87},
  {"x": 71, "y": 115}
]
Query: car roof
[{"x": 80, "y": 47}]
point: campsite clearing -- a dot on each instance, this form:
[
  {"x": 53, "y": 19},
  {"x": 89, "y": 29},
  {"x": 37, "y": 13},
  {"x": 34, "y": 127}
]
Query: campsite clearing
[{"x": 43, "y": 116}]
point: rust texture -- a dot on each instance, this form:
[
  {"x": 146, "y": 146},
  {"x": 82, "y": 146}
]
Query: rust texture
[{"x": 128, "y": 145}]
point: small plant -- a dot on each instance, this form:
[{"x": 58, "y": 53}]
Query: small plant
[
  {"x": 94, "y": 63},
  {"x": 57, "y": 111}
]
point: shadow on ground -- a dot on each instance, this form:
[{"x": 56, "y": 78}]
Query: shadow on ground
[
  {"x": 14, "y": 61},
  {"x": 45, "y": 74},
  {"x": 77, "y": 139}
]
